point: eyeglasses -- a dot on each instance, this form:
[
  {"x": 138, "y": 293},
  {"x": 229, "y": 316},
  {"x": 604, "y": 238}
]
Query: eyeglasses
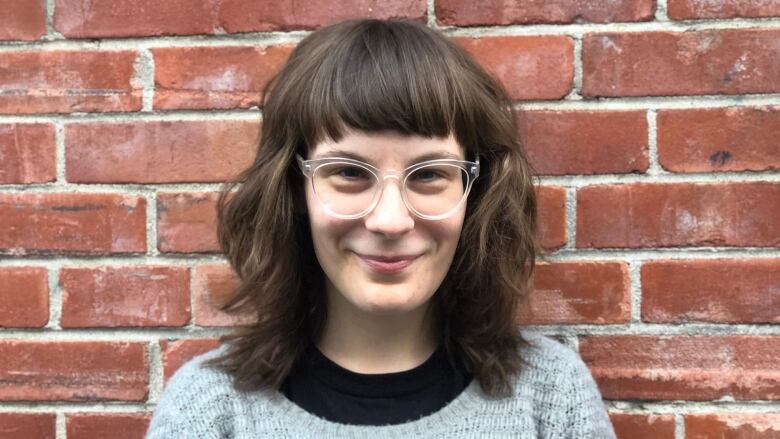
[{"x": 350, "y": 189}]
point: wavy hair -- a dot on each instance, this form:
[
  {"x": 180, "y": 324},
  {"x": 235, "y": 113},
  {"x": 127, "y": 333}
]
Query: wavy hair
[{"x": 372, "y": 75}]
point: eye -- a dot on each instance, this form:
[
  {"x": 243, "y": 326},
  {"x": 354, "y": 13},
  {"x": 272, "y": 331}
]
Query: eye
[
  {"x": 426, "y": 175},
  {"x": 349, "y": 172}
]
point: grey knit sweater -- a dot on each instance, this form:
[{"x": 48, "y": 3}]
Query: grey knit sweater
[{"x": 555, "y": 397}]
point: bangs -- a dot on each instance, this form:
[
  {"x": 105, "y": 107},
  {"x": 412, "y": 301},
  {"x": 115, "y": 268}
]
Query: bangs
[{"x": 377, "y": 76}]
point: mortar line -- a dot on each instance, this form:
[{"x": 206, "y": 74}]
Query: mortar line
[
  {"x": 55, "y": 299},
  {"x": 661, "y": 11},
  {"x": 571, "y": 218},
  {"x": 293, "y": 37},
  {"x": 635, "y": 290},
  {"x": 54, "y": 262},
  {"x": 59, "y": 151},
  {"x": 654, "y": 168},
  {"x": 155, "y": 372},
  {"x": 679, "y": 425},
  {"x": 60, "y": 426}
]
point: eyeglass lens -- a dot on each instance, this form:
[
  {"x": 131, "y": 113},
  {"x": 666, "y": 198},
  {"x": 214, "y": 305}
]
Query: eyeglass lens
[{"x": 349, "y": 189}]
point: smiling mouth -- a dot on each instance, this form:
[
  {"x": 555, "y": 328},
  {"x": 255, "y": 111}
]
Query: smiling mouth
[{"x": 386, "y": 266}]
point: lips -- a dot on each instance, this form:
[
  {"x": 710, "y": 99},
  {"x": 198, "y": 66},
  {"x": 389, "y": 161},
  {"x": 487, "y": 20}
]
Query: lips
[{"x": 388, "y": 264}]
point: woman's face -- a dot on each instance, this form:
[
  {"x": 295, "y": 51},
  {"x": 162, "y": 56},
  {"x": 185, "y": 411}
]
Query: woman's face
[{"x": 344, "y": 246}]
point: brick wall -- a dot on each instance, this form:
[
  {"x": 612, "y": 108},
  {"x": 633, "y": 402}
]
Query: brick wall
[{"x": 655, "y": 128}]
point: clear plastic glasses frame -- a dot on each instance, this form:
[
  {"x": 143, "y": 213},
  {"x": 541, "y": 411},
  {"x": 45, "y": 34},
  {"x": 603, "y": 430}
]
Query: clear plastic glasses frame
[{"x": 309, "y": 168}]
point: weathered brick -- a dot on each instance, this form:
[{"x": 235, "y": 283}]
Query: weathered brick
[
  {"x": 643, "y": 426},
  {"x": 500, "y": 12},
  {"x": 28, "y": 425},
  {"x": 538, "y": 67},
  {"x": 578, "y": 292},
  {"x": 732, "y": 425},
  {"x": 214, "y": 77},
  {"x": 22, "y": 19},
  {"x": 68, "y": 81},
  {"x": 213, "y": 285},
  {"x": 132, "y": 18},
  {"x": 177, "y": 352},
  {"x": 47, "y": 223},
  {"x": 107, "y": 425},
  {"x": 695, "y": 368},
  {"x": 721, "y": 61},
  {"x": 696, "y": 9},
  {"x": 159, "y": 151},
  {"x": 125, "y": 296},
  {"x": 187, "y": 222},
  {"x": 679, "y": 214},
  {"x": 723, "y": 291},
  {"x": 24, "y": 295},
  {"x": 719, "y": 139},
  {"x": 585, "y": 142},
  {"x": 73, "y": 371},
  {"x": 248, "y": 16},
  {"x": 551, "y": 216},
  {"x": 27, "y": 153}
]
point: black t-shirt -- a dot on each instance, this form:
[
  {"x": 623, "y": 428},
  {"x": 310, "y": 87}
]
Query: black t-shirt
[{"x": 322, "y": 387}]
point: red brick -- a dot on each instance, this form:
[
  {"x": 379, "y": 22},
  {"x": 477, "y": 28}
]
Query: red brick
[
  {"x": 551, "y": 216},
  {"x": 24, "y": 293},
  {"x": 693, "y": 9},
  {"x": 27, "y": 153},
  {"x": 585, "y": 142},
  {"x": 68, "y": 81},
  {"x": 249, "y": 16},
  {"x": 107, "y": 425},
  {"x": 73, "y": 371},
  {"x": 722, "y": 291},
  {"x": 732, "y": 425},
  {"x": 27, "y": 425},
  {"x": 131, "y": 18},
  {"x": 499, "y": 12},
  {"x": 177, "y": 352},
  {"x": 643, "y": 426},
  {"x": 538, "y": 67},
  {"x": 719, "y": 139},
  {"x": 48, "y": 223},
  {"x": 214, "y": 77},
  {"x": 187, "y": 222},
  {"x": 22, "y": 19},
  {"x": 578, "y": 292},
  {"x": 668, "y": 215},
  {"x": 125, "y": 296},
  {"x": 696, "y": 368},
  {"x": 723, "y": 61},
  {"x": 214, "y": 285},
  {"x": 159, "y": 151}
]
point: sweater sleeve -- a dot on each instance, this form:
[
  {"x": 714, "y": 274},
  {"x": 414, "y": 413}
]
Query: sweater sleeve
[
  {"x": 194, "y": 404},
  {"x": 586, "y": 413}
]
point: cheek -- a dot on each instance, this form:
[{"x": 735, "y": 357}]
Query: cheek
[
  {"x": 448, "y": 232},
  {"x": 326, "y": 233}
]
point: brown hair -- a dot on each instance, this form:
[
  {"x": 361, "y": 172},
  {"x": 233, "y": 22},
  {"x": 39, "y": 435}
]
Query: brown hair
[{"x": 372, "y": 75}]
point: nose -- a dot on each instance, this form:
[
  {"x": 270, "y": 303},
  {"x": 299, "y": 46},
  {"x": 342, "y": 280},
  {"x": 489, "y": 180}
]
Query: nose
[{"x": 390, "y": 216}]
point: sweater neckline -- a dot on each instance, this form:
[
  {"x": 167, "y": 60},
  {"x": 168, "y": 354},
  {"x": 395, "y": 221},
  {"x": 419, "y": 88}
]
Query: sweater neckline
[
  {"x": 379, "y": 385},
  {"x": 461, "y": 407}
]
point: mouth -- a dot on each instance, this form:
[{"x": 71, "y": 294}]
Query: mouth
[{"x": 387, "y": 265}]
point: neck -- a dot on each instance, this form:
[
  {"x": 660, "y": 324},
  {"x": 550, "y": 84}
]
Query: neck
[{"x": 373, "y": 343}]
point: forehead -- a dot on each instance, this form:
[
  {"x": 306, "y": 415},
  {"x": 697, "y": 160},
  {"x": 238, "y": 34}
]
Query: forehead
[{"x": 389, "y": 149}]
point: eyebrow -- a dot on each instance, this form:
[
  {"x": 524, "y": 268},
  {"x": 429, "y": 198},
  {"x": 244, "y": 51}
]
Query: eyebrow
[{"x": 340, "y": 153}]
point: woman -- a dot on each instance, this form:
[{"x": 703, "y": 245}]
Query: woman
[{"x": 384, "y": 238}]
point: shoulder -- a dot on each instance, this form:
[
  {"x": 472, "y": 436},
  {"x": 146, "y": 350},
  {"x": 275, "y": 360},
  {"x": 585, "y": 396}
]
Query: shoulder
[
  {"x": 562, "y": 387},
  {"x": 546, "y": 354},
  {"x": 195, "y": 402}
]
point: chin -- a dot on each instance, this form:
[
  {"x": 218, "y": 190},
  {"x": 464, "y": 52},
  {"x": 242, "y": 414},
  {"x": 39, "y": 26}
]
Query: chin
[{"x": 390, "y": 299}]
